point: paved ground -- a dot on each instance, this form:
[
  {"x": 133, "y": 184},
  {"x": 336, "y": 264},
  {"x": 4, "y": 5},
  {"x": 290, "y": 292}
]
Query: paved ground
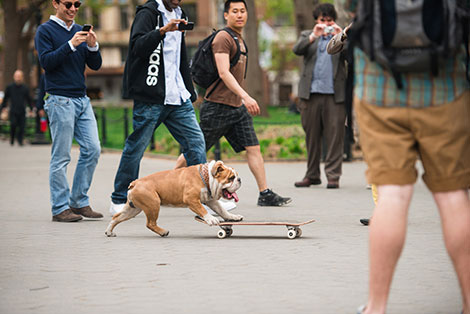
[{"x": 49, "y": 267}]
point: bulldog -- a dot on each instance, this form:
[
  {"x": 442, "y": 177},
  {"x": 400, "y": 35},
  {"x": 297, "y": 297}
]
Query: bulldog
[{"x": 184, "y": 187}]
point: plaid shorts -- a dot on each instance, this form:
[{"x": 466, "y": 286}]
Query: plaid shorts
[{"x": 235, "y": 123}]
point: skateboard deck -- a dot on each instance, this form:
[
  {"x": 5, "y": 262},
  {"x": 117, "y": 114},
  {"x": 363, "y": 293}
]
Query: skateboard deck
[{"x": 293, "y": 228}]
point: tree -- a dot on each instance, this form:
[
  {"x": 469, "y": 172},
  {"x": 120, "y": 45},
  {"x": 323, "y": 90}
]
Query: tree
[
  {"x": 254, "y": 75},
  {"x": 303, "y": 14},
  {"x": 343, "y": 17},
  {"x": 19, "y": 24}
]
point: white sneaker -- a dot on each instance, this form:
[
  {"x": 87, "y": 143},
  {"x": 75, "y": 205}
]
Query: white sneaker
[
  {"x": 227, "y": 205},
  {"x": 116, "y": 208}
]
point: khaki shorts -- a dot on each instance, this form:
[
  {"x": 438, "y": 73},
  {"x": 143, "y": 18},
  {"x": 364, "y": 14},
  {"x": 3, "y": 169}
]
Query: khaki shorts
[{"x": 392, "y": 139}]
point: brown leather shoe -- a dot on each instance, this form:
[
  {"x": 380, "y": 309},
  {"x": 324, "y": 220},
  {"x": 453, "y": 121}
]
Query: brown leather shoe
[
  {"x": 86, "y": 212},
  {"x": 333, "y": 184},
  {"x": 306, "y": 182},
  {"x": 66, "y": 216}
]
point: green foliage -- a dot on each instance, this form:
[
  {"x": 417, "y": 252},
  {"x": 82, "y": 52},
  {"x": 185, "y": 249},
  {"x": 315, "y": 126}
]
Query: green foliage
[
  {"x": 282, "y": 11},
  {"x": 280, "y": 136},
  {"x": 281, "y": 55}
]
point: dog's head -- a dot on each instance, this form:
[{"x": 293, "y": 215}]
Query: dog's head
[{"x": 223, "y": 181}]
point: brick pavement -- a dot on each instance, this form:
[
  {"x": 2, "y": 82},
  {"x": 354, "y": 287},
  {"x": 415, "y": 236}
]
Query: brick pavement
[{"x": 49, "y": 267}]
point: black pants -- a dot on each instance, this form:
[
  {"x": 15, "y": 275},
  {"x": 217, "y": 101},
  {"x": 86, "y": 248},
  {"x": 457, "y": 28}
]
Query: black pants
[{"x": 17, "y": 126}]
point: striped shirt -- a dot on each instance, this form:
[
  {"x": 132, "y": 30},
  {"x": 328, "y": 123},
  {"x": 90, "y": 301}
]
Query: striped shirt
[{"x": 377, "y": 86}]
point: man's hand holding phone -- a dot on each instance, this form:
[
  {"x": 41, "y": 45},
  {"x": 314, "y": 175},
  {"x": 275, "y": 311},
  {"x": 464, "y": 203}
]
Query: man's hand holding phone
[
  {"x": 176, "y": 25},
  {"x": 189, "y": 26},
  {"x": 85, "y": 35}
]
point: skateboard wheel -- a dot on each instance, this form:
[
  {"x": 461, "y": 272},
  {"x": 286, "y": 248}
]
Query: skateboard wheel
[
  {"x": 299, "y": 232},
  {"x": 221, "y": 234},
  {"x": 229, "y": 232},
  {"x": 291, "y": 234}
]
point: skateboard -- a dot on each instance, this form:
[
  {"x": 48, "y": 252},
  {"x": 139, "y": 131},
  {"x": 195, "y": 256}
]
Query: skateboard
[{"x": 293, "y": 228}]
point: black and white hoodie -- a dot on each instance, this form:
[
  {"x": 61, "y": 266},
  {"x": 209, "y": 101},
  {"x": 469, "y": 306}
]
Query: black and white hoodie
[{"x": 144, "y": 73}]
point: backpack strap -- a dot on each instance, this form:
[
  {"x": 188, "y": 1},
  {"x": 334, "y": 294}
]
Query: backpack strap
[
  {"x": 466, "y": 35},
  {"x": 464, "y": 12},
  {"x": 369, "y": 19},
  {"x": 354, "y": 33},
  {"x": 235, "y": 58}
]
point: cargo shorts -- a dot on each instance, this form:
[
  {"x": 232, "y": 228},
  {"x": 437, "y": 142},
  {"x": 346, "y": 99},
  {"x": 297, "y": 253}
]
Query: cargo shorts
[{"x": 394, "y": 138}]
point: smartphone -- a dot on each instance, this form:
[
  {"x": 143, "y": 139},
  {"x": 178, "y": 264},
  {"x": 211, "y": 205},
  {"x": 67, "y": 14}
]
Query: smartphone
[
  {"x": 86, "y": 28},
  {"x": 186, "y": 27}
]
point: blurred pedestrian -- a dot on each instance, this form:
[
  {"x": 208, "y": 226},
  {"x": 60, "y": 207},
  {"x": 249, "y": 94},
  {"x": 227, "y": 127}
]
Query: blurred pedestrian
[
  {"x": 321, "y": 93},
  {"x": 64, "y": 50},
  {"x": 17, "y": 94}
]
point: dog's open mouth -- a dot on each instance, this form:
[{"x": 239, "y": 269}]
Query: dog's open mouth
[{"x": 229, "y": 195}]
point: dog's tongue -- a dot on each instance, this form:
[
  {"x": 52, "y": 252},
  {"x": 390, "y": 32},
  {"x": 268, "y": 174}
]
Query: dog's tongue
[{"x": 235, "y": 196}]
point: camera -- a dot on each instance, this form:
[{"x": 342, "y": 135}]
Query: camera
[
  {"x": 86, "y": 28},
  {"x": 329, "y": 29},
  {"x": 186, "y": 27}
]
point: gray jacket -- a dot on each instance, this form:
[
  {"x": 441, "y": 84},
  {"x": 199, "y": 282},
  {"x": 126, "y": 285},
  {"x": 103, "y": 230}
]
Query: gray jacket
[{"x": 309, "y": 52}]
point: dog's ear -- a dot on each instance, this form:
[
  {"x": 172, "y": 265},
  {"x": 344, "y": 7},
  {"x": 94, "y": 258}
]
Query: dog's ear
[{"x": 217, "y": 168}]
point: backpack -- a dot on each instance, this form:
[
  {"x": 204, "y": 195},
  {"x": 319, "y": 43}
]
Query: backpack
[
  {"x": 203, "y": 68},
  {"x": 410, "y": 35}
]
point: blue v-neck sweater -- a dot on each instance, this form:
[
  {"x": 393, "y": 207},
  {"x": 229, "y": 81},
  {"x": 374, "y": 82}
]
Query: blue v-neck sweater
[{"x": 64, "y": 67}]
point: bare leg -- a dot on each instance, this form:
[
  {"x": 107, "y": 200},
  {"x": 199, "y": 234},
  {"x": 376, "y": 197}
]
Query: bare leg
[
  {"x": 454, "y": 208},
  {"x": 180, "y": 162},
  {"x": 386, "y": 239},
  {"x": 256, "y": 164}
]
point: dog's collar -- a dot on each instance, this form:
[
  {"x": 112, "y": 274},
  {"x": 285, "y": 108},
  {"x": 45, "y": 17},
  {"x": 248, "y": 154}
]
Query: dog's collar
[{"x": 204, "y": 173}]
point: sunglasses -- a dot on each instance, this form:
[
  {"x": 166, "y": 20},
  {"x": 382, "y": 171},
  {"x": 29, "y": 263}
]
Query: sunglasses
[{"x": 68, "y": 5}]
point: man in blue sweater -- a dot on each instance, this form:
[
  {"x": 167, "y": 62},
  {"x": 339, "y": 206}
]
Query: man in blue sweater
[{"x": 63, "y": 50}]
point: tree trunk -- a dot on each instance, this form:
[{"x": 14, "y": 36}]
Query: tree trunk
[
  {"x": 343, "y": 17},
  {"x": 254, "y": 76},
  {"x": 11, "y": 20},
  {"x": 14, "y": 20},
  {"x": 25, "y": 64},
  {"x": 304, "y": 14}
]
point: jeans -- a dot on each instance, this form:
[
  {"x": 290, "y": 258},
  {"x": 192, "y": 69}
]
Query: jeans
[
  {"x": 182, "y": 124},
  {"x": 71, "y": 118}
]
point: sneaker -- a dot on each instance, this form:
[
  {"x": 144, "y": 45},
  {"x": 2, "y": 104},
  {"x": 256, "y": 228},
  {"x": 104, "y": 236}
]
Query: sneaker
[
  {"x": 86, "y": 212},
  {"x": 66, "y": 216},
  {"x": 116, "y": 208},
  {"x": 364, "y": 221},
  {"x": 269, "y": 198},
  {"x": 361, "y": 309},
  {"x": 227, "y": 205}
]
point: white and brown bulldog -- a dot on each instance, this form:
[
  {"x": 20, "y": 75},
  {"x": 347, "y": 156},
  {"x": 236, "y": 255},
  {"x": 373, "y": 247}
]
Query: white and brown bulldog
[{"x": 183, "y": 187}]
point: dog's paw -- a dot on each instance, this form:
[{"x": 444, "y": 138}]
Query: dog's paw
[
  {"x": 211, "y": 220},
  {"x": 110, "y": 234},
  {"x": 233, "y": 217}
]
